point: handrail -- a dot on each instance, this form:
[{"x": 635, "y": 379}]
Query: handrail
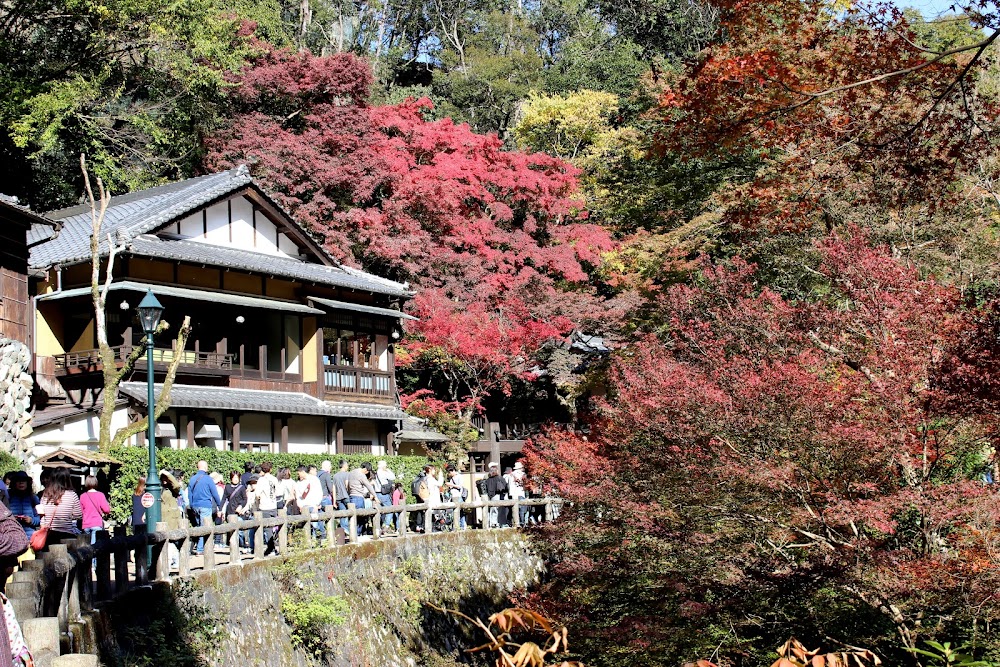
[
  {"x": 357, "y": 380},
  {"x": 191, "y": 358},
  {"x": 82, "y": 586}
]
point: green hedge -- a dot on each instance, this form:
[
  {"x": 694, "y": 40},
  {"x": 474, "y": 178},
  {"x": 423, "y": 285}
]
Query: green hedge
[
  {"x": 9, "y": 463},
  {"x": 135, "y": 463}
]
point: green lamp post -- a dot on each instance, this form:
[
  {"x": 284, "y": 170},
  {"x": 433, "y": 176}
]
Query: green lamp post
[{"x": 150, "y": 311}]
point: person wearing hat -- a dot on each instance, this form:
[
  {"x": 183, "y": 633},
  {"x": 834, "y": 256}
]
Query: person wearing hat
[
  {"x": 515, "y": 488},
  {"x": 23, "y": 502}
]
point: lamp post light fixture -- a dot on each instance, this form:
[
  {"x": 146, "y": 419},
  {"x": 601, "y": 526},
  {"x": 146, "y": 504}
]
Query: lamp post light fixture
[{"x": 150, "y": 311}]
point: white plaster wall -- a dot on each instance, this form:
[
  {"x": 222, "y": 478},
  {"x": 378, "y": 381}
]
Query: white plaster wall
[
  {"x": 218, "y": 224},
  {"x": 307, "y": 435},
  {"x": 382, "y": 343},
  {"x": 193, "y": 226},
  {"x": 242, "y": 223},
  {"x": 267, "y": 235},
  {"x": 286, "y": 246},
  {"x": 79, "y": 431},
  {"x": 255, "y": 427}
]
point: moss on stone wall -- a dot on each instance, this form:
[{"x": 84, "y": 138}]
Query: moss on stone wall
[{"x": 375, "y": 593}]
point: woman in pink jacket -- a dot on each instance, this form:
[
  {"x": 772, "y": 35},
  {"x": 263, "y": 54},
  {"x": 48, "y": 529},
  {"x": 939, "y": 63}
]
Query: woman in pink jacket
[{"x": 95, "y": 508}]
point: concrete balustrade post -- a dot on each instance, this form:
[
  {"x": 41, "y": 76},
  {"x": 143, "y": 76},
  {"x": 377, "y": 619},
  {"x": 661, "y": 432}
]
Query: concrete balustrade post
[
  {"x": 209, "y": 552},
  {"x": 428, "y": 520},
  {"x": 377, "y": 523},
  {"x": 184, "y": 557},
  {"x": 103, "y": 567},
  {"x": 352, "y": 524},
  {"x": 548, "y": 510},
  {"x": 283, "y": 531},
  {"x": 331, "y": 525},
  {"x": 234, "y": 540},
  {"x": 258, "y": 536},
  {"x": 140, "y": 555},
  {"x": 515, "y": 514},
  {"x": 161, "y": 552},
  {"x": 402, "y": 522}
]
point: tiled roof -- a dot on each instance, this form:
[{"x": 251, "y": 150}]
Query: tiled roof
[
  {"x": 133, "y": 214},
  {"x": 330, "y": 304},
  {"x": 257, "y": 262},
  {"x": 253, "y": 400},
  {"x": 416, "y": 430}
]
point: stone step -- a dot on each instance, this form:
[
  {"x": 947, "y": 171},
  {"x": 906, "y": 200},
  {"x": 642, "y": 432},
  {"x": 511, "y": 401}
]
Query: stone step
[
  {"x": 76, "y": 660},
  {"x": 44, "y": 658},
  {"x": 24, "y": 608},
  {"x": 20, "y": 589},
  {"x": 41, "y": 634}
]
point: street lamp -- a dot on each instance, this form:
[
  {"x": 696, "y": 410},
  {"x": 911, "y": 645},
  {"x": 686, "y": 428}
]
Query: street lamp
[{"x": 150, "y": 311}]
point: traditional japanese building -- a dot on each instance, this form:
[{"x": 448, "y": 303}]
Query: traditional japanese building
[{"x": 289, "y": 351}]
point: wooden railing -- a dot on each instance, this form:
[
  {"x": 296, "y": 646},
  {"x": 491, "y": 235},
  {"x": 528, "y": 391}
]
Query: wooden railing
[
  {"x": 65, "y": 583},
  {"x": 90, "y": 359},
  {"x": 362, "y": 381}
]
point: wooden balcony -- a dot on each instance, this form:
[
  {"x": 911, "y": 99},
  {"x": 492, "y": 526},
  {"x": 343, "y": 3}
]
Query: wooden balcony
[
  {"x": 192, "y": 361},
  {"x": 352, "y": 383}
]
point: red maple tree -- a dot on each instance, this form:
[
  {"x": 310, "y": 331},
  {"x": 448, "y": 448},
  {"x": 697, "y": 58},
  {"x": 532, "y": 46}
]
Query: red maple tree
[
  {"x": 495, "y": 241},
  {"x": 764, "y": 445}
]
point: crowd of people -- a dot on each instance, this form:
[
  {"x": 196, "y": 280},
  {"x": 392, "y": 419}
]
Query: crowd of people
[{"x": 209, "y": 497}]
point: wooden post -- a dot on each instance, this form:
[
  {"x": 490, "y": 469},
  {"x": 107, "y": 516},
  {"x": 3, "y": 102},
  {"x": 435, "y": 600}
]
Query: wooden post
[
  {"x": 352, "y": 524},
  {"x": 234, "y": 541},
  {"x": 236, "y": 432},
  {"x": 339, "y": 448},
  {"x": 283, "y": 444},
  {"x": 191, "y": 444},
  {"x": 140, "y": 555},
  {"x": 283, "y": 532},
  {"x": 262, "y": 361},
  {"x": 258, "y": 537},
  {"x": 121, "y": 561},
  {"x": 103, "y": 568}
]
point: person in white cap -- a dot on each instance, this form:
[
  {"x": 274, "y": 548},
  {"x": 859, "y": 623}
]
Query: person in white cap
[{"x": 515, "y": 488}]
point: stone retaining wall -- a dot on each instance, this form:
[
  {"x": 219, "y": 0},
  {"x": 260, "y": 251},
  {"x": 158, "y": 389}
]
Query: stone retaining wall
[
  {"x": 233, "y": 616},
  {"x": 15, "y": 396}
]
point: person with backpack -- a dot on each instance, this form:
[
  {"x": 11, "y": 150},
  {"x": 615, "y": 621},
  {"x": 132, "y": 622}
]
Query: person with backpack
[
  {"x": 341, "y": 496},
  {"x": 418, "y": 489},
  {"x": 267, "y": 503},
  {"x": 205, "y": 501},
  {"x": 458, "y": 493},
  {"x": 385, "y": 479}
]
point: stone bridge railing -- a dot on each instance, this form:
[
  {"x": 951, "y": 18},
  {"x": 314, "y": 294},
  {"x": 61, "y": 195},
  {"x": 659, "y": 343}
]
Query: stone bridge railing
[{"x": 75, "y": 577}]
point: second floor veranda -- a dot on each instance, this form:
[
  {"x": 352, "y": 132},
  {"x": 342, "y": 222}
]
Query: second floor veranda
[{"x": 236, "y": 340}]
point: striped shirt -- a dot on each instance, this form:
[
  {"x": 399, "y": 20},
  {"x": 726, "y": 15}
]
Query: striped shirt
[{"x": 67, "y": 513}]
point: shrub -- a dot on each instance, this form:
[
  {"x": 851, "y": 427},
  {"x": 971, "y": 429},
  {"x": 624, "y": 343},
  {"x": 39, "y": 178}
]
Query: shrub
[
  {"x": 9, "y": 463},
  {"x": 135, "y": 463},
  {"x": 310, "y": 614}
]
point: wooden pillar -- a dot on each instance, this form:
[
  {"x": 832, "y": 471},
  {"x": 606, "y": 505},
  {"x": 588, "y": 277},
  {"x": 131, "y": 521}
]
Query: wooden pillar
[
  {"x": 320, "y": 371},
  {"x": 339, "y": 440},
  {"x": 191, "y": 444},
  {"x": 283, "y": 445},
  {"x": 236, "y": 432},
  {"x": 390, "y": 443},
  {"x": 494, "y": 428}
]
